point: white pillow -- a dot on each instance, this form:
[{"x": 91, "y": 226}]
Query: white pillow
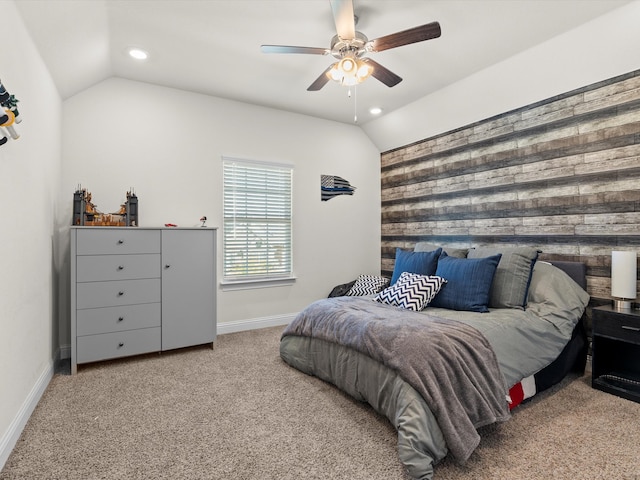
[{"x": 367, "y": 285}]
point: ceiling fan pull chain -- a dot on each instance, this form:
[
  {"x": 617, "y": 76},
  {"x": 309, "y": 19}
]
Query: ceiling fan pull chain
[{"x": 355, "y": 104}]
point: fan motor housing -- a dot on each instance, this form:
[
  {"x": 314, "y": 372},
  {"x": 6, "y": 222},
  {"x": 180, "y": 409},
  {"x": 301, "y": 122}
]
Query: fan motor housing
[{"x": 341, "y": 47}]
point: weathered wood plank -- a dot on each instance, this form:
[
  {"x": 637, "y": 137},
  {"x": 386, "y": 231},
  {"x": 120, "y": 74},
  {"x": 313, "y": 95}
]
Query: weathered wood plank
[{"x": 563, "y": 174}]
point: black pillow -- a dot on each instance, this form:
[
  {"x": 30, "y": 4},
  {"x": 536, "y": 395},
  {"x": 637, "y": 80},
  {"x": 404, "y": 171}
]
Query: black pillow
[{"x": 341, "y": 290}]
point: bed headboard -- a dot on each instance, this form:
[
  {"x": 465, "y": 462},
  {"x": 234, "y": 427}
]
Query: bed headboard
[{"x": 576, "y": 270}]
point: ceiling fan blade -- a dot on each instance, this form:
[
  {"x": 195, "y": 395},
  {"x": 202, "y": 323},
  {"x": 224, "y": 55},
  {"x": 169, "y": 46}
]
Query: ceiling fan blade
[
  {"x": 321, "y": 81},
  {"x": 406, "y": 37},
  {"x": 344, "y": 18},
  {"x": 383, "y": 74},
  {"x": 292, "y": 49}
]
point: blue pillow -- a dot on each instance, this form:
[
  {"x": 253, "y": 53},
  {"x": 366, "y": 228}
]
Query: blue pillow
[
  {"x": 468, "y": 282},
  {"x": 422, "y": 263}
]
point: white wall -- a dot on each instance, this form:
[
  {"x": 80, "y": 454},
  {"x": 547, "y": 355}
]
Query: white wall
[
  {"x": 595, "y": 51},
  {"x": 29, "y": 183},
  {"x": 168, "y": 145}
]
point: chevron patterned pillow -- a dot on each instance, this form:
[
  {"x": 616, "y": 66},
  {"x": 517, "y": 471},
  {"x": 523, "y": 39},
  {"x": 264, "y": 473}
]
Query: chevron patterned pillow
[
  {"x": 367, "y": 285},
  {"x": 411, "y": 291}
]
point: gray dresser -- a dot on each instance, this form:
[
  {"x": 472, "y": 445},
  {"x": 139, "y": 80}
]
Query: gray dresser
[{"x": 140, "y": 290}]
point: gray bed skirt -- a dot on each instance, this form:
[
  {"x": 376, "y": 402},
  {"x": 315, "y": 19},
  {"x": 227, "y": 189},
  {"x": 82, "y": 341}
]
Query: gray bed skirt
[{"x": 421, "y": 444}]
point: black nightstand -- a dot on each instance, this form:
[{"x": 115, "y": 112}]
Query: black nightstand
[{"x": 616, "y": 352}]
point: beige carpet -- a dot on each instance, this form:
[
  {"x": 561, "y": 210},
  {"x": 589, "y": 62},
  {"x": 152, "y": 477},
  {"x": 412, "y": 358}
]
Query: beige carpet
[{"x": 239, "y": 412}]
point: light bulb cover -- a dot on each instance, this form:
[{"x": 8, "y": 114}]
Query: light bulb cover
[
  {"x": 364, "y": 70},
  {"x": 348, "y": 66},
  {"x": 335, "y": 73},
  {"x": 624, "y": 274}
]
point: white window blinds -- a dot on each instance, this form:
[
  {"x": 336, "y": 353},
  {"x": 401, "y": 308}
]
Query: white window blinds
[{"x": 257, "y": 220}]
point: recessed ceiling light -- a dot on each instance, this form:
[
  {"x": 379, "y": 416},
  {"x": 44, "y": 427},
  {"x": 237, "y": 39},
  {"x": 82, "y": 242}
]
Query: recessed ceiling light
[
  {"x": 375, "y": 110},
  {"x": 138, "y": 54}
]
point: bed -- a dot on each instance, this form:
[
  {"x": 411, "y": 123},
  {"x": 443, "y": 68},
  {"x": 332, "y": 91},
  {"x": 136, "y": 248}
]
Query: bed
[{"x": 440, "y": 372}]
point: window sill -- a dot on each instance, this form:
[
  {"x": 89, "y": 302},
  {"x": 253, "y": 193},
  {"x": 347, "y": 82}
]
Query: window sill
[{"x": 230, "y": 285}]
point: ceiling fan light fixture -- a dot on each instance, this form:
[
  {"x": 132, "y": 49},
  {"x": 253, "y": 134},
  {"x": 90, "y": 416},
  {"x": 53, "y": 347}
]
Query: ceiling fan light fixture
[
  {"x": 350, "y": 71},
  {"x": 364, "y": 70},
  {"x": 335, "y": 73},
  {"x": 349, "y": 45},
  {"x": 350, "y": 81},
  {"x": 348, "y": 66}
]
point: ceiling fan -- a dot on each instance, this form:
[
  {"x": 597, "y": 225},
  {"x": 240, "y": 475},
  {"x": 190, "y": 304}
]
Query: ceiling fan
[{"x": 350, "y": 46}]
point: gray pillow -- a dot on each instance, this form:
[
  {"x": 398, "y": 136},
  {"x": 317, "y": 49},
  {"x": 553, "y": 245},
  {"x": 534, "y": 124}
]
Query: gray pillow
[
  {"x": 430, "y": 247},
  {"x": 554, "y": 296},
  {"x": 513, "y": 275}
]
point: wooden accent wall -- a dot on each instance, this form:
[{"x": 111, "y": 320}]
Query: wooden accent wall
[{"x": 562, "y": 174}]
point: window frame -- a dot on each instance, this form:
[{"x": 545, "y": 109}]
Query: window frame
[{"x": 263, "y": 279}]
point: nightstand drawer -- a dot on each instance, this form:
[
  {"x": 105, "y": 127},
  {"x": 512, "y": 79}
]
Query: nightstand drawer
[
  {"x": 113, "y": 241},
  {"x": 620, "y": 326},
  {"x": 95, "y": 268},
  {"x": 93, "y": 321},
  {"x": 117, "y": 293},
  {"x": 615, "y": 361},
  {"x": 93, "y": 348}
]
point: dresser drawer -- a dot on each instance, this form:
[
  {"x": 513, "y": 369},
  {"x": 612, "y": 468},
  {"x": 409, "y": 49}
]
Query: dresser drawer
[
  {"x": 93, "y": 321},
  {"x": 113, "y": 241},
  {"x": 117, "y": 293},
  {"x": 93, "y": 268},
  {"x": 619, "y": 326},
  {"x": 92, "y": 348}
]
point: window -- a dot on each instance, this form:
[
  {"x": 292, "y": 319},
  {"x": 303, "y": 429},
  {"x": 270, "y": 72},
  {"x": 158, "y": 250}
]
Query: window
[{"x": 257, "y": 221}]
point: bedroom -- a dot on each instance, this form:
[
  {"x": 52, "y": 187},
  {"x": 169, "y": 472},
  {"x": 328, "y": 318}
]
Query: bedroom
[{"x": 39, "y": 176}]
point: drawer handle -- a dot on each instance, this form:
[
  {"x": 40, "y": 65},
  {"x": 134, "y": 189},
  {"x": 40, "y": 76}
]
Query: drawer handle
[
  {"x": 633, "y": 329},
  {"x": 120, "y": 319},
  {"x": 120, "y": 242},
  {"x": 167, "y": 266},
  {"x": 121, "y": 344},
  {"x": 120, "y": 267},
  {"x": 120, "y": 293}
]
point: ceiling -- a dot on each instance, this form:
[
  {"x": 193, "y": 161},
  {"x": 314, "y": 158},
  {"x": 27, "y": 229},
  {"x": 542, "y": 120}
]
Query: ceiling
[{"x": 213, "y": 46}]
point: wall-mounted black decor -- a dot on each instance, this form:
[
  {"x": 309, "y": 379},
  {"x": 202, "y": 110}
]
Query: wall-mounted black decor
[{"x": 331, "y": 186}]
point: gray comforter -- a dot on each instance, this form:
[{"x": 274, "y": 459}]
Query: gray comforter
[
  {"x": 449, "y": 363},
  {"x": 524, "y": 342}
]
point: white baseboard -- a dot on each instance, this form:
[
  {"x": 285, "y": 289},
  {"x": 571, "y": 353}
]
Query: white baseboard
[
  {"x": 12, "y": 435},
  {"x": 254, "y": 323},
  {"x": 225, "y": 327}
]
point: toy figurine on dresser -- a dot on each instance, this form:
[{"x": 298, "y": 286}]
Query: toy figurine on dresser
[{"x": 86, "y": 213}]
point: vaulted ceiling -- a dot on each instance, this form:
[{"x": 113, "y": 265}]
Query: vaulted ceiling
[{"x": 213, "y": 46}]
